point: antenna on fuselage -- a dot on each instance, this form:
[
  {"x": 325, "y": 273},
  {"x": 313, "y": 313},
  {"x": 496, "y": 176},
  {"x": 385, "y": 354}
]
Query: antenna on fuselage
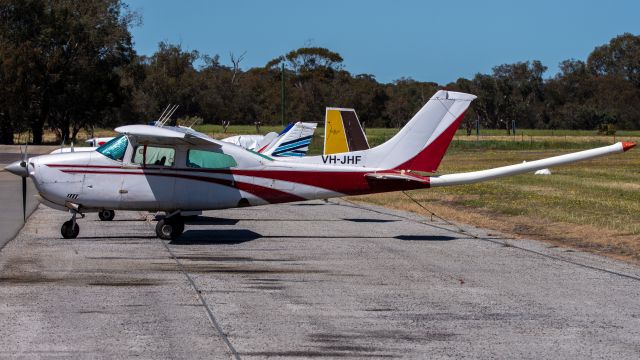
[
  {"x": 193, "y": 122},
  {"x": 169, "y": 115},
  {"x": 159, "y": 121}
]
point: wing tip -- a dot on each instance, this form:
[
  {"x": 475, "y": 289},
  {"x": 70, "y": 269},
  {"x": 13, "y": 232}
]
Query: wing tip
[{"x": 627, "y": 145}]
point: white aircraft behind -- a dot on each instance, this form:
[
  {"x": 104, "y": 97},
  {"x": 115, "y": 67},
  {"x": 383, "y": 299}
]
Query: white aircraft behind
[
  {"x": 293, "y": 140},
  {"x": 181, "y": 172}
]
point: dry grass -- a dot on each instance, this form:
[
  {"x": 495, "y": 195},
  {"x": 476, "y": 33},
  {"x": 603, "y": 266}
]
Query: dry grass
[{"x": 594, "y": 205}]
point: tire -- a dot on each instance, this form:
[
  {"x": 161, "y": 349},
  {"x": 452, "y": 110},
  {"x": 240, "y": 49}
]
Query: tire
[
  {"x": 169, "y": 229},
  {"x": 106, "y": 215},
  {"x": 69, "y": 231}
]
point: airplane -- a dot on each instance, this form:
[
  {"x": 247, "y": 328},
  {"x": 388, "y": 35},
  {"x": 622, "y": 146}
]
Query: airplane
[
  {"x": 93, "y": 144},
  {"x": 294, "y": 138},
  {"x": 182, "y": 172}
]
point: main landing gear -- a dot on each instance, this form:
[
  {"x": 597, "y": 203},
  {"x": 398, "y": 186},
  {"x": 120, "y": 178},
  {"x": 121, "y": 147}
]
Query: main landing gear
[
  {"x": 170, "y": 227},
  {"x": 70, "y": 228},
  {"x": 106, "y": 215}
]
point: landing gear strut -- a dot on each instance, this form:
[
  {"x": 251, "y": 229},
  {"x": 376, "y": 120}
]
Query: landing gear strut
[
  {"x": 106, "y": 215},
  {"x": 170, "y": 228},
  {"x": 70, "y": 228}
]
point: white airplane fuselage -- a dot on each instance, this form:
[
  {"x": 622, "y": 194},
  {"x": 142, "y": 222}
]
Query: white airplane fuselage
[{"x": 95, "y": 181}]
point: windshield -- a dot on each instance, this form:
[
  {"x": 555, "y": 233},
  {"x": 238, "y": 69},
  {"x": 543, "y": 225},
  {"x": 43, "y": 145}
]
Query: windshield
[{"x": 114, "y": 148}]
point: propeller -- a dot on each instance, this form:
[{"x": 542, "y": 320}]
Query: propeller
[
  {"x": 21, "y": 168},
  {"x": 24, "y": 199},
  {"x": 23, "y": 164}
]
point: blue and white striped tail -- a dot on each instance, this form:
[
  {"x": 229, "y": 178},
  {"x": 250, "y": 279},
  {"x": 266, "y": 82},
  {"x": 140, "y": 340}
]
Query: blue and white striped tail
[{"x": 293, "y": 141}]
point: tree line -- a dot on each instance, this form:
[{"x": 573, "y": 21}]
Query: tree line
[{"x": 68, "y": 65}]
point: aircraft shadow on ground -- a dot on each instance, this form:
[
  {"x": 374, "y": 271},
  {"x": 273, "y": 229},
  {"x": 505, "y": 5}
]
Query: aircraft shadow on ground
[
  {"x": 206, "y": 220},
  {"x": 367, "y": 220},
  {"x": 238, "y": 236},
  {"x": 210, "y": 220},
  {"x": 425, "y": 238},
  {"x": 216, "y": 237}
]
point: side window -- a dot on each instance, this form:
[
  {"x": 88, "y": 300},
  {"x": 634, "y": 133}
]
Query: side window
[
  {"x": 114, "y": 148},
  {"x": 154, "y": 155},
  {"x": 203, "y": 159}
]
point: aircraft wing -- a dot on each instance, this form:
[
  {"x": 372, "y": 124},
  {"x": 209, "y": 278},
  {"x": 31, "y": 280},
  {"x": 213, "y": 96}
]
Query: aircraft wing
[
  {"x": 483, "y": 175},
  {"x": 166, "y": 135}
]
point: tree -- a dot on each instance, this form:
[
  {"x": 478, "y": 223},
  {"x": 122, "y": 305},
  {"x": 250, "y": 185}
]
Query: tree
[
  {"x": 621, "y": 57},
  {"x": 62, "y": 59},
  {"x": 169, "y": 78}
]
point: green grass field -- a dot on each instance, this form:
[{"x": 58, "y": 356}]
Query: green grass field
[{"x": 593, "y": 205}]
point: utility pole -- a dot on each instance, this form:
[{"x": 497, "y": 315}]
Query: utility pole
[{"x": 282, "y": 95}]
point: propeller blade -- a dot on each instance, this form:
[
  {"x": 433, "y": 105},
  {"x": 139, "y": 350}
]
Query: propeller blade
[
  {"x": 24, "y": 199},
  {"x": 24, "y": 155}
]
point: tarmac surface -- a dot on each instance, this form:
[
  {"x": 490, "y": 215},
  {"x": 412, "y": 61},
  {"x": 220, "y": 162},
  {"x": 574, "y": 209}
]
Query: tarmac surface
[
  {"x": 308, "y": 280},
  {"x": 11, "y": 219}
]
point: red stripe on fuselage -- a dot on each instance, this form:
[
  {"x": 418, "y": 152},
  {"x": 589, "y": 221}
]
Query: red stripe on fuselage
[
  {"x": 348, "y": 183},
  {"x": 270, "y": 195},
  {"x": 345, "y": 182}
]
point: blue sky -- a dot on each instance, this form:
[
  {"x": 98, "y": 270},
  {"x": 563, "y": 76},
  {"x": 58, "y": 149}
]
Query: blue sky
[{"x": 425, "y": 40}]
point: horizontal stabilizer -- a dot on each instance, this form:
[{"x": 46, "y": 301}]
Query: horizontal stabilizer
[
  {"x": 483, "y": 175},
  {"x": 397, "y": 176}
]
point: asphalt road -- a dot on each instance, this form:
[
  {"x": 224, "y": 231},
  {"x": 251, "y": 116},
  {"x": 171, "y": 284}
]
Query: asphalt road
[{"x": 308, "y": 280}]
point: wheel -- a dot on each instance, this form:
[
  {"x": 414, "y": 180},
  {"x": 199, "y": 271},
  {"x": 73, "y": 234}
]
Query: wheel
[
  {"x": 69, "y": 230},
  {"x": 169, "y": 229},
  {"x": 106, "y": 215}
]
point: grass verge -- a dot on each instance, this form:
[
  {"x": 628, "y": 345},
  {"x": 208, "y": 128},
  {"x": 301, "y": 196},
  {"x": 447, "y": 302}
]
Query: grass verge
[{"x": 593, "y": 205}]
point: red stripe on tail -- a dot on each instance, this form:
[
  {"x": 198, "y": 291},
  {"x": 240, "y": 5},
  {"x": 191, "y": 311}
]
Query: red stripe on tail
[{"x": 430, "y": 157}]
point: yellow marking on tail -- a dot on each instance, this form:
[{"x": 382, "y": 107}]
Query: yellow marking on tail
[{"x": 335, "y": 140}]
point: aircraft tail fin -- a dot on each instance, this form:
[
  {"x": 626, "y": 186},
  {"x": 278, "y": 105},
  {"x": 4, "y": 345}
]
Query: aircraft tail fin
[
  {"x": 343, "y": 132},
  {"x": 294, "y": 140},
  {"x": 266, "y": 141},
  {"x": 421, "y": 144}
]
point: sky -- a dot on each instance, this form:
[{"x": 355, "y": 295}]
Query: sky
[{"x": 438, "y": 41}]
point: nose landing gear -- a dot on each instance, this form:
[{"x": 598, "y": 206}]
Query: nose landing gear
[{"x": 70, "y": 228}]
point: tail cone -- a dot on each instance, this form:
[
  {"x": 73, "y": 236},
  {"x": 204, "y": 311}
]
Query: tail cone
[{"x": 626, "y": 145}]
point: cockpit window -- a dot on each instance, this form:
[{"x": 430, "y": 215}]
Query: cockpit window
[
  {"x": 154, "y": 155},
  {"x": 203, "y": 159},
  {"x": 114, "y": 148}
]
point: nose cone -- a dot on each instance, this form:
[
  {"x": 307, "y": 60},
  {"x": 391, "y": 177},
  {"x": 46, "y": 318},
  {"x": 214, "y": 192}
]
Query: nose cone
[{"x": 18, "y": 168}]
